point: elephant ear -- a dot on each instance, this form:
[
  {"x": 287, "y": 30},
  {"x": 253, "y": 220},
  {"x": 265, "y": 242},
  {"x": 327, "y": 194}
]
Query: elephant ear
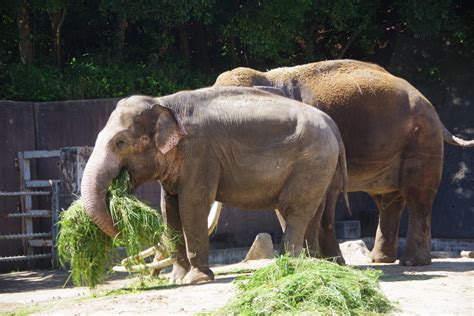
[{"x": 169, "y": 129}]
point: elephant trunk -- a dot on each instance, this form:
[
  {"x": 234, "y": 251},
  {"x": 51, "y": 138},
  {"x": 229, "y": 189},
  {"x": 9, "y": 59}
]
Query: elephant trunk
[{"x": 100, "y": 170}]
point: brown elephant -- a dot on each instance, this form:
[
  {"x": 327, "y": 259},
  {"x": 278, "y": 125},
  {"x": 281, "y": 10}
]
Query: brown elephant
[
  {"x": 240, "y": 146},
  {"x": 394, "y": 144}
]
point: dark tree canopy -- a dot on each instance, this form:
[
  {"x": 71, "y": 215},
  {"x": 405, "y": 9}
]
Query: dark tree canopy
[{"x": 58, "y": 49}]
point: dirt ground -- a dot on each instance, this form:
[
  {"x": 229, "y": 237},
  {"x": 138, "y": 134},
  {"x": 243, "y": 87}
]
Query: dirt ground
[{"x": 445, "y": 287}]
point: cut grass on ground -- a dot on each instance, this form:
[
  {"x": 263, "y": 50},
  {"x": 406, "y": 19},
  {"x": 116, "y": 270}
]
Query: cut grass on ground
[{"x": 299, "y": 285}]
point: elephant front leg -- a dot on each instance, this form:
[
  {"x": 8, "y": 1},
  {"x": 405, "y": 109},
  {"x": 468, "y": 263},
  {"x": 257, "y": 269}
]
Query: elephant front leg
[
  {"x": 170, "y": 209},
  {"x": 194, "y": 213}
]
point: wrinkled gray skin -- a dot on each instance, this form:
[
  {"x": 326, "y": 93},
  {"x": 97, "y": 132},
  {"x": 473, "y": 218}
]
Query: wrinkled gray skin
[{"x": 240, "y": 146}]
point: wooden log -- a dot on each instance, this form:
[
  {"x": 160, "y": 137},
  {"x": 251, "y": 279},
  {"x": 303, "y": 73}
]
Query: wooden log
[{"x": 145, "y": 267}]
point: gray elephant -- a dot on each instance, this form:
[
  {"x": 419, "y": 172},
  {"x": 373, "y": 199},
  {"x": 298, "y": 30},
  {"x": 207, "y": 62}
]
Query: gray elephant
[
  {"x": 394, "y": 142},
  {"x": 241, "y": 146}
]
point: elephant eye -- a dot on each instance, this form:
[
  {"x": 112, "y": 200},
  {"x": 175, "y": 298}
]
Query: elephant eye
[{"x": 120, "y": 144}]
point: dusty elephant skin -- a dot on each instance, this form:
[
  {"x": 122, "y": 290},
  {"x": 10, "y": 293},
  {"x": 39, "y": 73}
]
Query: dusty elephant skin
[
  {"x": 241, "y": 146},
  {"x": 394, "y": 143}
]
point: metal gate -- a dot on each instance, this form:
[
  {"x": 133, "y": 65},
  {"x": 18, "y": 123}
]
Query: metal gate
[{"x": 28, "y": 189}]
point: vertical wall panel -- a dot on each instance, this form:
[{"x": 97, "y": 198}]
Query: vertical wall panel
[{"x": 16, "y": 134}]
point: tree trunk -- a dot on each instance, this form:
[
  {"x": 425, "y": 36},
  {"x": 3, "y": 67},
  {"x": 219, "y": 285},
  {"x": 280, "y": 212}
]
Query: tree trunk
[
  {"x": 232, "y": 55},
  {"x": 25, "y": 41},
  {"x": 349, "y": 43},
  {"x": 57, "y": 20},
  {"x": 122, "y": 25},
  {"x": 184, "y": 44},
  {"x": 200, "y": 49},
  {"x": 164, "y": 45}
]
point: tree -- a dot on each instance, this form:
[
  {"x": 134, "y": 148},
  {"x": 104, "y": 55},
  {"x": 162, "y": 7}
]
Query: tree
[
  {"x": 269, "y": 28},
  {"x": 25, "y": 37},
  {"x": 56, "y": 10}
]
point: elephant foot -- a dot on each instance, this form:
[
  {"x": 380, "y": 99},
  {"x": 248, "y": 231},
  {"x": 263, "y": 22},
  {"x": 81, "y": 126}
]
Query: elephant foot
[
  {"x": 177, "y": 274},
  {"x": 334, "y": 255},
  {"x": 381, "y": 258},
  {"x": 340, "y": 260},
  {"x": 196, "y": 275},
  {"x": 415, "y": 260}
]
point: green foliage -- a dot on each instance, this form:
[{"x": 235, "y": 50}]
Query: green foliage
[
  {"x": 167, "y": 12},
  {"x": 86, "y": 78},
  {"x": 306, "y": 285},
  {"x": 84, "y": 246},
  {"x": 113, "y": 48},
  {"x": 139, "y": 225},
  {"x": 425, "y": 18},
  {"x": 88, "y": 250},
  {"x": 270, "y": 28}
]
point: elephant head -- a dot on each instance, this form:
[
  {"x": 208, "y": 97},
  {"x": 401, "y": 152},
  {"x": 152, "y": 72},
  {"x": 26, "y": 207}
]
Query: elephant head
[{"x": 138, "y": 136}]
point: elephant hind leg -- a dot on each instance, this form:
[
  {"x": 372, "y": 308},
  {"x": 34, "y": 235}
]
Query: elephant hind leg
[
  {"x": 320, "y": 235},
  {"x": 390, "y": 207},
  {"x": 297, "y": 218},
  {"x": 312, "y": 234},
  {"x": 419, "y": 189},
  {"x": 301, "y": 198},
  {"x": 420, "y": 176},
  {"x": 298, "y": 214},
  {"x": 328, "y": 243}
]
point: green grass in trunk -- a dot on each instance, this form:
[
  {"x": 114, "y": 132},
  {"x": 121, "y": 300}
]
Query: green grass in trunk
[
  {"x": 307, "y": 285},
  {"x": 89, "y": 251}
]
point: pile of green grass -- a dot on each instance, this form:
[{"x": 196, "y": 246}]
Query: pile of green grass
[
  {"x": 89, "y": 251},
  {"x": 307, "y": 285}
]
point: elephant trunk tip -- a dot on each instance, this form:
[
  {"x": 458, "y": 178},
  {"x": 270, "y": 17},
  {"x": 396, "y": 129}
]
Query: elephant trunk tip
[{"x": 100, "y": 170}]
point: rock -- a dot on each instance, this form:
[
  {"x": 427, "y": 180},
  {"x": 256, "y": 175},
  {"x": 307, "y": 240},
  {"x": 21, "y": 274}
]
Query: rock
[
  {"x": 467, "y": 254},
  {"x": 355, "y": 252},
  {"x": 262, "y": 248}
]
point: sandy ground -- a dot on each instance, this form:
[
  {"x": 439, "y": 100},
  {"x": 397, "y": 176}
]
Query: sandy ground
[{"x": 445, "y": 287}]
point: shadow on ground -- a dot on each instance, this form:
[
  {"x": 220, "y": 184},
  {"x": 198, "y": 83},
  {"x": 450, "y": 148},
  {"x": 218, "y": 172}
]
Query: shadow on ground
[
  {"x": 395, "y": 272},
  {"x": 32, "y": 280},
  {"x": 24, "y": 281},
  {"x": 409, "y": 277}
]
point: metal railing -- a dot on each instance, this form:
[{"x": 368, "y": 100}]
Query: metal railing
[{"x": 30, "y": 238}]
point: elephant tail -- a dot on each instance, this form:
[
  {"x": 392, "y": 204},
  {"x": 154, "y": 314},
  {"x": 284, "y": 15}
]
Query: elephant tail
[
  {"x": 453, "y": 140},
  {"x": 342, "y": 164}
]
